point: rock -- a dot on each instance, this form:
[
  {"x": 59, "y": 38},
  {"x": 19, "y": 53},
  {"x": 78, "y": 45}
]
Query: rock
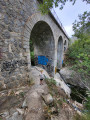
[
  {"x": 57, "y": 76},
  {"x": 21, "y": 111},
  {"x": 71, "y": 77},
  {"x": 15, "y": 116},
  {"x": 2, "y": 86},
  {"x": 54, "y": 118},
  {"x": 4, "y": 114},
  {"x": 24, "y": 104},
  {"x": 53, "y": 109},
  {"x": 6, "y": 35},
  {"x": 34, "y": 95},
  {"x": 60, "y": 83},
  {"x": 12, "y": 110},
  {"x": 47, "y": 98},
  {"x": 78, "y": 112},
  {"x": 18, "y": 92},
  {"x": 79, "y": 105}
]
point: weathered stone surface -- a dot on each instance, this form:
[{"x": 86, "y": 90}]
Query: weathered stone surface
[
  {"x": 10, "y": 28},
  {"x": 6, "y": 81},
  {"x": 71, "y": 77},
  {"x": 3, "y": 3},
  {"x": 6, "y": 34},
  {"x": 13, "y": 78},
  {"x": 19, "y": 77},
  {"x": 60, "y": 83},
  {"x": 10, "y": 55},
  {"x": 24, "y": 105},
  {"x": 15, "y": 116},
  {"x": 20, "y": 111},
  {"x": 1, "y": 85},
  {"x": 1, "y": 78},
  {"x": 4, "y": 114},
  {"x": 48, "y": 98},
  {"x": 6, "y": 19}
]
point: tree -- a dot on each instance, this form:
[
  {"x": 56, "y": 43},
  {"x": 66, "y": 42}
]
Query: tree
[
  {"x": 47, "y": 4},
  {"x": 81, "y": 28}
]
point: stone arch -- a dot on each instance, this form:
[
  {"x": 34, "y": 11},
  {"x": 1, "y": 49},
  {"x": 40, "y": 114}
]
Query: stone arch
[
  {"x": 65, "y": 42},
  {"x": 60, "y": 52},
  {"x": 33, "y": 22},
  {"x": 65, "y": 45}
]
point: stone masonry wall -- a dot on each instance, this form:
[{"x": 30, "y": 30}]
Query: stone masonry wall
[{"x": 17, "y": 18}]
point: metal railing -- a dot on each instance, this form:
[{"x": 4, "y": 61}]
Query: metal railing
[{"x": 58, "y": 20}]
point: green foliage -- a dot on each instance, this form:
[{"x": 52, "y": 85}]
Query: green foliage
[
  {"x": 79, "y": 57},
  {"x": 32, "y": 55},
  {"x": 83, "y": 117},
  {"x": 87, "y": 104},
  {"x": 47, "y": 4},
  {"x": 30, "y": 82},
  {"x": 50, "y": 82},
  {"x": 82, "y": 26},
  {"x": 22, "y": 94},
  {"x": 31, "y": 50}
]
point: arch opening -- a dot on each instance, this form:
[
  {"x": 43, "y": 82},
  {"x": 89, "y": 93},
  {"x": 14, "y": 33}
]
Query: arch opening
[
  {"x": 60, "y": 53},
  {"x": 65, "y": 43},
  {"x": 42, "y": 47}
]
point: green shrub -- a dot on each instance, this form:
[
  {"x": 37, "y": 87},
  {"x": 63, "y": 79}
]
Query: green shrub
[
  {"x": 79, "y": 57},
  {"x": 83, "y": 117},
  {"x": 87, "y": 104},
  {"x": 32, "y": 55}
]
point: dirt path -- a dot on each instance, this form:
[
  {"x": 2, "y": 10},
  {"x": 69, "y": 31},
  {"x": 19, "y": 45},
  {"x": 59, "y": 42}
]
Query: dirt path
[{"x": 33, "y": 97}]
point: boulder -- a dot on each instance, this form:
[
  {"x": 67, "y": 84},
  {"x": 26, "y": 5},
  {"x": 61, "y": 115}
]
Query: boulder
[
  {"x": 15, "y": 116},
  {"x": 61, "y": 83},
  {"x": 71, "y": 77},
  {"x": 24, "y": 105},
  {"x": 20, "y": 111},
  {"x": 47, "y": 98},
  {"x": 4, "y": 114}
]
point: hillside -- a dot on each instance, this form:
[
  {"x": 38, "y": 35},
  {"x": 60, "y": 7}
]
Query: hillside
[{"x": 33, "y": 101}]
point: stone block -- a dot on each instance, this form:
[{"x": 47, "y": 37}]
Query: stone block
[
  {"x": 3, "y": 3},
  {"x": 1, "y": 78},
  {"x": 11, "y": 84},
  {"x": 6, "y": 19},
  {"x": 19, "y": 77},
  {"x": 26, "y": 46},
  {"x": 10, "y": 28},
  {"x": 1, "y": 85},
  {"x": 6, "y": 35},
  {"x": 1, "y": 16},
  {"x": 10, "y": 56},
  {"x": 13, "y": 78},
  {"x": 6, "y": 81}
]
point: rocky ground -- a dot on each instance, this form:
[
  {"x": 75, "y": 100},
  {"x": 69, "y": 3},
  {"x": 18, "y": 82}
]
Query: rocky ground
[{"x": 34, "y": 102}]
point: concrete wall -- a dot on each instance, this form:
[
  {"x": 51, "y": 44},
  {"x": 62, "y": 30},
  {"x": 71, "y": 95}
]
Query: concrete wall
[{"x": 17, "y": 19}]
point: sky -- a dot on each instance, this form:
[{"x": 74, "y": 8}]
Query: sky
[{"x": 70, "y": 13}]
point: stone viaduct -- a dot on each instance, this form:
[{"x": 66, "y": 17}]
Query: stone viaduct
[{"x": 20, "y": 22}]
